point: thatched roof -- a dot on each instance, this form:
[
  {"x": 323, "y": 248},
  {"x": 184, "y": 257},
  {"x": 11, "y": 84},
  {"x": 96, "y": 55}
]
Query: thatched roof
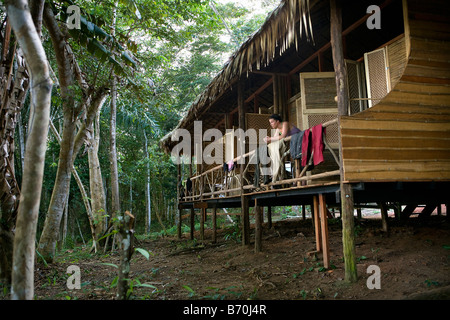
[{"x": 276, "y": 35}]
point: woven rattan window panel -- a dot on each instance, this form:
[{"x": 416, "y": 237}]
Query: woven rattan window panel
[
  {"x": 331, "y": 131},
  {"x": 376, "y": 73}
]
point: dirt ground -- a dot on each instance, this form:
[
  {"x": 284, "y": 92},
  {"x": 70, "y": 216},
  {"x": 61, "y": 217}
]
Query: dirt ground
[{"x": 414, "y": 261}]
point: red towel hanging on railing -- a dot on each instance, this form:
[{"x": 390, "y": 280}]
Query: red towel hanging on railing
[
  {"x": 317, "y": 141},
  {"x": 314, "y": 143}
]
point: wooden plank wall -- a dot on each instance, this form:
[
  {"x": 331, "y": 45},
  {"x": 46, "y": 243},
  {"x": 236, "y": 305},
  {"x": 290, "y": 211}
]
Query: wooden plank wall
[{"x": 406, "y": 137}]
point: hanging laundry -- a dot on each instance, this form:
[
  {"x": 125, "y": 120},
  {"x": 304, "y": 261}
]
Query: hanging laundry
[
  {"x": 317, "y": 143},
  {"x": 306, "y": 147},
  {"x": 295, "y": 146},
  {"x": 313, "y": 140},
  {"x": 231, "y": 165},
  {"x": 262, "y": 161}
]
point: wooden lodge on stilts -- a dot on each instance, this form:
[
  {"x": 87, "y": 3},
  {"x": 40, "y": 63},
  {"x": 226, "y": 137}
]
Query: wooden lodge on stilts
[{"x": 389, "y": 143}]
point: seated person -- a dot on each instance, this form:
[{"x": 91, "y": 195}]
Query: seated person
[{"x": 283, "y": 129}]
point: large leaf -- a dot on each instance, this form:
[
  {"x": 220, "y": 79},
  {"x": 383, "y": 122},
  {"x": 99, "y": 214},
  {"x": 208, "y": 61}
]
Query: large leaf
[{"x": 131, "y": 5}]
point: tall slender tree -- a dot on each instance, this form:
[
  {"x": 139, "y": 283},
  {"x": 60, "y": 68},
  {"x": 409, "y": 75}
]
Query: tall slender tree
[{"x": 41, "y": 84}]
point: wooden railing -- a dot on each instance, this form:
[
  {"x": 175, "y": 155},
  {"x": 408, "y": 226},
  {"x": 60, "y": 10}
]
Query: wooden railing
[{"x": 215, "y": 182}]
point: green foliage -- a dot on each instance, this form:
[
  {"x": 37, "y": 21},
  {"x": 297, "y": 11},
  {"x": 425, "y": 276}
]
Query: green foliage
[
  {"x": 165, "y": 53},
  {"x": 191, "y": 292}
]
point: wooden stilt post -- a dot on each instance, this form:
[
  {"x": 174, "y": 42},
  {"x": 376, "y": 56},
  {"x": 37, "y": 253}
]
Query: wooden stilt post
[
  {"x": 348, "y": 234},
  {"x": 214, "y": 225},
  {"x": 245, "y": 221},
  {"x": 276, "y": 107},
  {"x": 384, "y": 217},
  {"x": 269, "y": 217},
  {"x": 192, "y": 223},
  {"x": 180, "y": 215},
  {"x": 324, "y": 231},
  {"x": 317, "y": 224},
  {"x": 202, "y": 224},
  {"x": 258, "y": 227},
  {"x": 303, "y": 212},
  {"x": 192, "y": 217},
  {"x": 359, "y": 213},
  {"x": 180, "y": 210}
]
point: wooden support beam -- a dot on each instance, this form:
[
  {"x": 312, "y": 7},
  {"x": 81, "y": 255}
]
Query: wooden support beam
[
  {"x": 269, "y": 217},
  {"x": 384, "y": 217},
  {"x": 359, "y": 213},
  {"x": 276, "y": 106},
  {"x": 180, "y": 210},
  {"x": 214, "y": 225},
  {"x": 324, "y": 231},
  {"x": 407, "y": 211},
  {"x": 317, "y": 224},
  {"x": 348, "y": 232},
  {"x": 258, "y": 227},
  {"x": 200, "y": 205},
  {"x": 180, "y": 219},
  {"x": 202, "y": 224},
  {"x": 427, "y": 211},
  {"x": 192, "y": 223}
]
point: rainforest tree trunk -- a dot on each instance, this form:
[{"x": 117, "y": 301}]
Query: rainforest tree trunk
[
  {"x": 98, "y": 200},
  {"x": 72, "y": 141},
  {"x": 41, "y": 85},
  {"x": 115, "y": 197},
  {"x": 148, "y": 200},
  {"x": 14, "y": 85},
  {"x": 50, "y": 232}
]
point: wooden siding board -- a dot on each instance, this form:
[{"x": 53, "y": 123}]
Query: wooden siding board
[
  {"x": 398, "y": 176},
  {"x": 393, "y": 125},
  {"x": 396, "y": 142}
]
